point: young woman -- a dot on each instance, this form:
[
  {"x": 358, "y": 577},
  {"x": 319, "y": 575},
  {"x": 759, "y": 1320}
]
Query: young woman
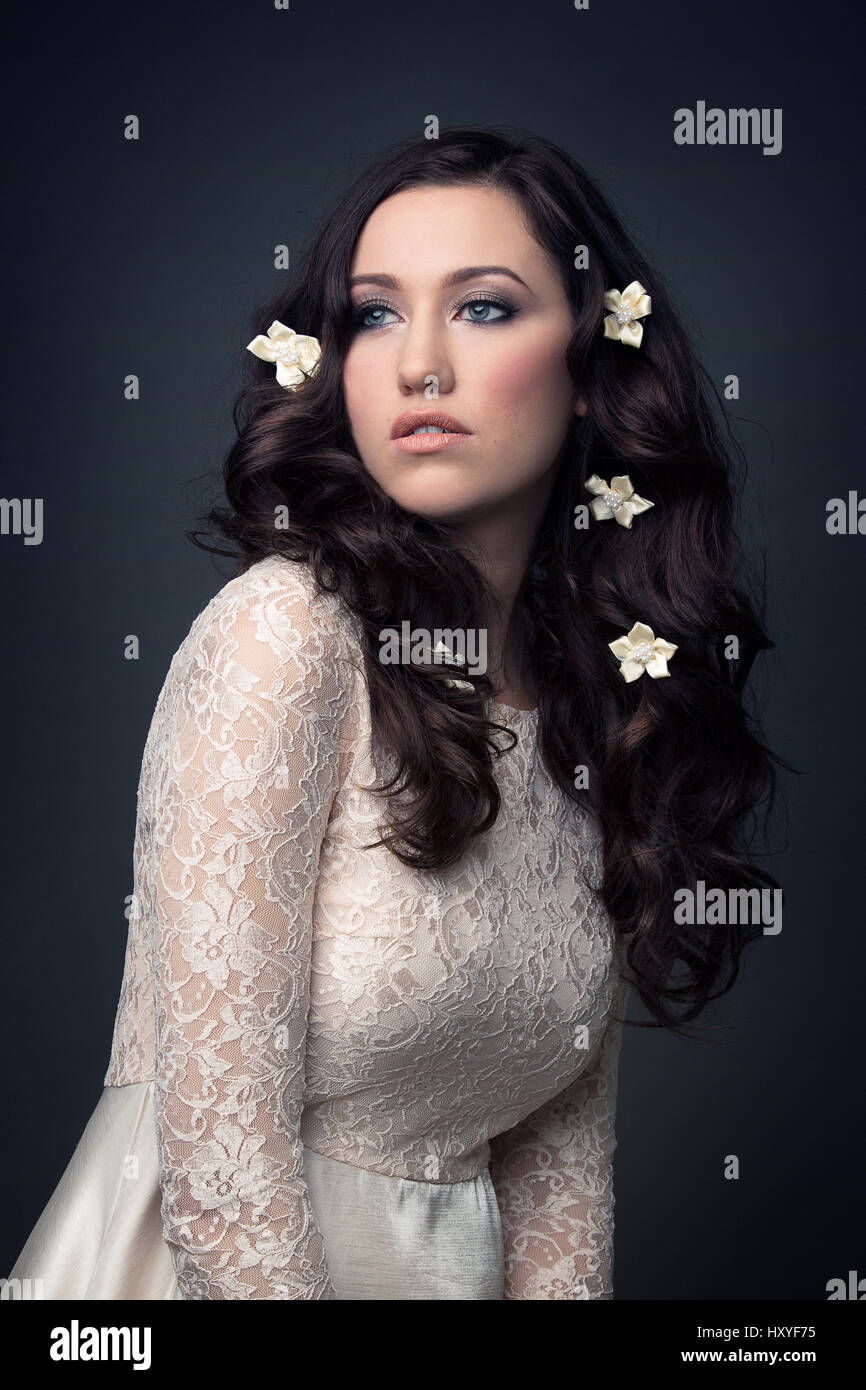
[{"x": 426, "y": 774}]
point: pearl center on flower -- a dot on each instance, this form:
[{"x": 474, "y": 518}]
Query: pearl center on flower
[
  {"x": 286, "y": 353},
  {"x": 624, "y": 314},
  {"x": 642, "y": 652},
  {"x": 613, "y": 500}
]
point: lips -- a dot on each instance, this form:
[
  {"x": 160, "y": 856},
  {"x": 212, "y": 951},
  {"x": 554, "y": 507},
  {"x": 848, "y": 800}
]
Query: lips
[{"x": 411, "y": 419}]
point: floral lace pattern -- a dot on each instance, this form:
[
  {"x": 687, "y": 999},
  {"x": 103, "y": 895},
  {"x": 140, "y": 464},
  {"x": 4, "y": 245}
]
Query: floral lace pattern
[
  {"x": 286, "y": 987},
  {"x": 553, "y": 1176}
]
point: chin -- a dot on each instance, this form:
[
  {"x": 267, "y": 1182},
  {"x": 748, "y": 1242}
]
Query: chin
[{"x": 431, "y": 500}]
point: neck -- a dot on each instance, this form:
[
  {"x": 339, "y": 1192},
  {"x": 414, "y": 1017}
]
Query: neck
[{"x": 501, "y": 546}]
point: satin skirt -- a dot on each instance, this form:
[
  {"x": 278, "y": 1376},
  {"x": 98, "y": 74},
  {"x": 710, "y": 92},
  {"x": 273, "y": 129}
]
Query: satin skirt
[{"x": 100, "y": 1235}]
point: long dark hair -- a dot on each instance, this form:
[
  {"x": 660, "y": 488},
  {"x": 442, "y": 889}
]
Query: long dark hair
[{"x": 676, "y": 766}]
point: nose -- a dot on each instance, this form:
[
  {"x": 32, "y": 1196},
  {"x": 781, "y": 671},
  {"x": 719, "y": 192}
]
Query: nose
[{"x": 424, "y": 363}]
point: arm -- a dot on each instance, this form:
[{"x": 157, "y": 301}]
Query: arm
[
  {"x": 553, "y": 1175},
  {"x": 239, "y": 789}
]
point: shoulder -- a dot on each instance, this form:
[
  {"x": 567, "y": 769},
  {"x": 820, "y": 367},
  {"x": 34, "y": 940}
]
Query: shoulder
[
  {"x": 270, "y": 631},
  {"x": 281, "y": 599}
]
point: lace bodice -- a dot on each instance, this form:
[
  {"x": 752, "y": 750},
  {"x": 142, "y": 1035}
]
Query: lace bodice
[{"x": 286, "y": 987}]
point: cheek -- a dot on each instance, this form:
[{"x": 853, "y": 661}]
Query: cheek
[
  {"x": 526, "y": 383},
  {"x": 359, "y": 387}
]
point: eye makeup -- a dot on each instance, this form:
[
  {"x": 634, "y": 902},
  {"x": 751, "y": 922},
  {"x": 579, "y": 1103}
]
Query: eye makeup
[{"x": 508, "y": 309}]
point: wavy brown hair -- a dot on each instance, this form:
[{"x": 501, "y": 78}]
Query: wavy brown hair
[{"x": 677, "y": 767}]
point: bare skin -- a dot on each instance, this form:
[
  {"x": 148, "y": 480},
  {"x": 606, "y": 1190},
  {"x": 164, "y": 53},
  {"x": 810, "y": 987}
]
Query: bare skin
[{"x": 501, "y": 374}]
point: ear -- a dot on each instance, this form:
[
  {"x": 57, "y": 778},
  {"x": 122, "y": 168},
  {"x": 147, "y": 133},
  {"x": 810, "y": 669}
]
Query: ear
[{"x": 581, "y": 405}]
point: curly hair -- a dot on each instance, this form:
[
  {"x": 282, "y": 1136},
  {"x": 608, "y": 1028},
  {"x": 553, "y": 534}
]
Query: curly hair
[{"x": 676, "y": 767}]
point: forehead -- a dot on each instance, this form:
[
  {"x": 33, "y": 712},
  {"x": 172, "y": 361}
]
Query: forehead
[{"x": 421, "y": 234}]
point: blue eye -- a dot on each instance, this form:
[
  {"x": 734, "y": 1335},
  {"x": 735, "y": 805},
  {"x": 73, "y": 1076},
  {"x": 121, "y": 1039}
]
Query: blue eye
[
  {"x": 488, "y": 303},
  {"x": 366, "y": 308},
  {"x": 380, "y": 306}
]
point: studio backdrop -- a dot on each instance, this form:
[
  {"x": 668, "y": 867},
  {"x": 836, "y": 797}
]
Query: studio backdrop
[{"x": 166, "y": 168}]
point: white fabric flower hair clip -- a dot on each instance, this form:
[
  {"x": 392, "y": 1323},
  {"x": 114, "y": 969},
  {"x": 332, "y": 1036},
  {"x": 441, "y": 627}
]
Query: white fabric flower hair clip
[
  {"x": 448, "y": 657},
  {"x": 641, "y": 651},
  {"x": 617, "y": 499},
  {"x": 295, "y": 354},
  {"x": 633, "y": 303}
]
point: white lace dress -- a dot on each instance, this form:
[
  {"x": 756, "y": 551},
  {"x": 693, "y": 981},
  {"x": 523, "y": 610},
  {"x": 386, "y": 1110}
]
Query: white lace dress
[{"x": 333, "y": 1076}]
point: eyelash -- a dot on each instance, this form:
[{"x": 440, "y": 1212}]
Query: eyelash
[{"x": 361, "y": 310}]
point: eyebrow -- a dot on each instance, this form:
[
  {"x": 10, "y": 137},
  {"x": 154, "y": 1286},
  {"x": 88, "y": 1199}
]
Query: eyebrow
[{"x": 468, "y": 272}]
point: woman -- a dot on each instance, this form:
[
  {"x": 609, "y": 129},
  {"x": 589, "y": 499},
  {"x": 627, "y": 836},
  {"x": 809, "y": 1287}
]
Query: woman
[{"x": 425, "y": 775}]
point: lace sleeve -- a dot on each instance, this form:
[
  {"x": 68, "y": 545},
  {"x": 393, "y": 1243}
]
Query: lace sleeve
[
  {"x": 553, "y": 1175},
  {"x": 238, "y": 791}
]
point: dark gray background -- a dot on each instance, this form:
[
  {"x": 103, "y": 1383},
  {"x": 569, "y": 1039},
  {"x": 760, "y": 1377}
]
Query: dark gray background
[{"x": 148, "y": 257}]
